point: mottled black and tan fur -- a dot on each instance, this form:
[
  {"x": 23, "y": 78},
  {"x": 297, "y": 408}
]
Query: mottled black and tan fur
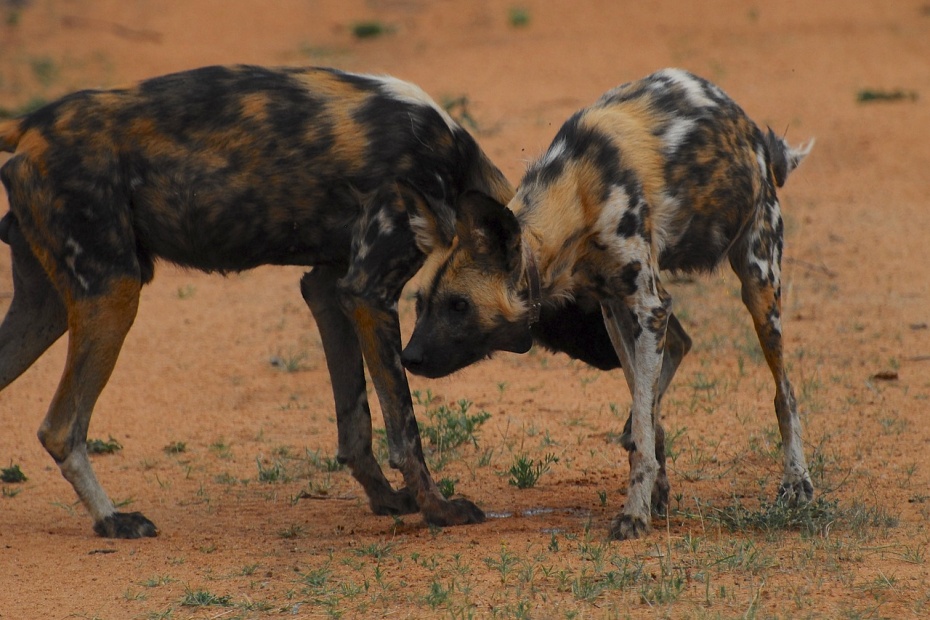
[
  {"x": 223, "y": 169},
  {"x": 666, "y": 173}
]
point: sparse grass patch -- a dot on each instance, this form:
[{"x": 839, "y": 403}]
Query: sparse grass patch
[
  {"x": 291, "y": 532},
  {"x": 99, "y": 446},
  {"x": 818, "y": 517},
  {"x": 203, "y": 598}
]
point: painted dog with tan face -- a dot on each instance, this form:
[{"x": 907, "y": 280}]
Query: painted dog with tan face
[
  {"x": 665, "y": 173},
  {"x": 223, "y": 169}
]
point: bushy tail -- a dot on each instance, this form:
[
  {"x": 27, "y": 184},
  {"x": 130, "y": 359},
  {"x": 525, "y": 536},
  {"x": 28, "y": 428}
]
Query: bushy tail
[
  {"x": 782, "y": 157},
  {"x": 10, "y": 133}
]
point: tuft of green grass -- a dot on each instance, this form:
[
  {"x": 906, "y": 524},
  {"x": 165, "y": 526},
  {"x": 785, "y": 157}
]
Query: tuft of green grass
[
  {"x": 175, "y": 447},
  {"x": 291, "y": 362},
  {"x": 44, "y": 70},
  {"x": 526, "y": 472},
  {"x": 12, "y": 474},
  {"x": 874, "y": 95},
  {"x": 370, "y": 29},
  {"x": 447, "y": 487},
  {"x": 186, "y": 292},
  {"x": 99, "y": 446},
  {"x": 519, "y": 17},
  {"x": 326, "y": 464},
  {"x": 273, "y": 472}
]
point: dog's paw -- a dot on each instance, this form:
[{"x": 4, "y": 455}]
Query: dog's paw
[
  {"x": 125, "y": 525},
  {"x": 454, "y": 512},
  {"x": 392, "y": 503},
  {"x": 797, "y": 491},
  {"x": 626, "y": 527}
]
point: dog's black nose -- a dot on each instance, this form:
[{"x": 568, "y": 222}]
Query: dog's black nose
[{"x": 411, "y": 358}]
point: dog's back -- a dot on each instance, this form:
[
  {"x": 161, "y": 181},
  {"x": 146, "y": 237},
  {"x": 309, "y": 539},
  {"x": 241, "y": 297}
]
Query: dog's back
[
  {"x": 679, "y": 144},
  {"x": 227, "y": 168}
]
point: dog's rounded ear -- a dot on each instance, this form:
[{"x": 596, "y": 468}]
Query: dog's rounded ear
[
  {"x": 431, "y": 219},
  {"x": 489, "y": 230}
]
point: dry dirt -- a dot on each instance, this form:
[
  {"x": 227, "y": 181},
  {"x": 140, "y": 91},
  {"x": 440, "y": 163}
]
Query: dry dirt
[{"x": 196, "y": 369}]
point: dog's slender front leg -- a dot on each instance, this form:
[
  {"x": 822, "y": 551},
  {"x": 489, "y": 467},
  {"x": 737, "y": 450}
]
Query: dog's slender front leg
[
  {"x": 347, "y": 374},
  {"x": 379, "y": 334},
  {"x": 640, "y": 346},
  {"x": 384, "y": 258}
]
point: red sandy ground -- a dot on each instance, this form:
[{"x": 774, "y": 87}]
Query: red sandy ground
[{"x": 195, "y": 368}]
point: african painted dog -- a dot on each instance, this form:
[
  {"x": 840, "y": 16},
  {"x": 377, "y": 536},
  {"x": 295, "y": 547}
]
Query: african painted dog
[
  {"x": 223, "y": 169},
  {"x": 663, "y": 173}
]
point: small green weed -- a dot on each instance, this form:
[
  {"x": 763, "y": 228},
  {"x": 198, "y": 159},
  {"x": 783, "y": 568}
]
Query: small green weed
[
  {"x": 526, "y": 472},
  {"x": 438, "y": 594},
  {"x": 99, "y": 446},
  {"x": 448, "y": 427},
  {"x": 12, "y": 474},
  {"x": 873, "y": 95}
]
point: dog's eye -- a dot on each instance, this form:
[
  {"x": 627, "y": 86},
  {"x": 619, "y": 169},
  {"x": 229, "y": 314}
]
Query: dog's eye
[{"x": 458, "y": 304}]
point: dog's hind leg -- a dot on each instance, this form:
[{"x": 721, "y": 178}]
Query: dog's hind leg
[
  {"x": 756, "y": 259},
  {"x": 97, "y": 326},
  {"x": 36, "y": 317},
  {"x": 347, "y": 374}
]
